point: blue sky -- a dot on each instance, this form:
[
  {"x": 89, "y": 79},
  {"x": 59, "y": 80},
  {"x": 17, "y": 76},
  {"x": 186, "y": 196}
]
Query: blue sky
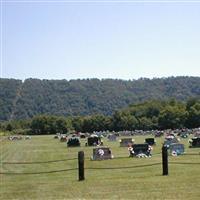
[{"x": 99, "y": 40}]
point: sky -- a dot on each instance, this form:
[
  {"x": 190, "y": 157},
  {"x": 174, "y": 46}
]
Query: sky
[{"x": 94, "y": 39}]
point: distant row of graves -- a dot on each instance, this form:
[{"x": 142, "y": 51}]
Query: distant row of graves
[
  {"x": 19, "y": 137},
  {"x": 174, "y": 145},
  {"x": 171, "y": 141},
  {"x": 102, "y": 153}
]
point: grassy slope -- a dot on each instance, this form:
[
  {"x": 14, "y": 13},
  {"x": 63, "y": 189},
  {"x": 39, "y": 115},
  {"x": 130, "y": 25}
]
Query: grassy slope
[{"x": 132, "y": 183}]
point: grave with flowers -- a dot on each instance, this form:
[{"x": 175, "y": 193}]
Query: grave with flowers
[
  {"x": 94, "y": 140},
  {"x": 101, "y": 153},
  {"x": 140, "y": 150},
  {"x": 176, "y": 149}
]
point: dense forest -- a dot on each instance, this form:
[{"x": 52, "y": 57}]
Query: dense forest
[
  {"x": 150, "y": 115},
  {"x": 24, "y": 100}
]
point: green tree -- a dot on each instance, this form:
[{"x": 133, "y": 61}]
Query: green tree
[
  {"x": 172, "y": 117},
  {"x": 145, "y": 124},
  {"x": 124, "y": 121},
  {"x": 9, "y": 127},
  {"x": 77, "y": 123},
  {"x": 193, "y": 120},
  {"x": 45, "y": 124}
]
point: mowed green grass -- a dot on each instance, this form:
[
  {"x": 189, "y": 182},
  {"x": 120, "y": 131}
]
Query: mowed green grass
[{"x": 183, "y": 181}]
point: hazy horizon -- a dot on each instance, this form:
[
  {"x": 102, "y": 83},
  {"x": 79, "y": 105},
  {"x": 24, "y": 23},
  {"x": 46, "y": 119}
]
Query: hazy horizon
[{"x": 101, "y": 79}]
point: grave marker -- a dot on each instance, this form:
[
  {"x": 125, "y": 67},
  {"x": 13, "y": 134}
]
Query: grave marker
[
  {"x": 101, "y": 153},
  {"x": 125, "y": 142},
  {"x": 94, "y": 141},
  {"x": 176, "y": 149},
  {"x": 194, "y": 142},
  {"x": 140, "y": 150},
  {"x": 150, "y": 141},
  {"x": 169, "y": 141},
  {"x": 73, "y": 142},
  {"x": 112, "y": 137}
]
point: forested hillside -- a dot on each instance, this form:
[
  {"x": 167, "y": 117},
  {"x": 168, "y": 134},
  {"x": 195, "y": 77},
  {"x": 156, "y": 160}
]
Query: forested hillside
[
  {"x": 9, "y": 89},
  {"x": 22, "y": 100}
]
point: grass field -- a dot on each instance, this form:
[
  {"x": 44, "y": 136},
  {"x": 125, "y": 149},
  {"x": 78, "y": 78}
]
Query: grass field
[{"x": 183, "y": 181}]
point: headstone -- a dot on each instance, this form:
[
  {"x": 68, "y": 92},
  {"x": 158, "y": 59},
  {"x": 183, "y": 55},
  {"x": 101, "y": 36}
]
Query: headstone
[
  {"x": 28, "y": 137},
  {"x": 125, "y": 142},
  {"x": 194, "y": 142},
  {"x": 57, "y": 136},
  {"x": 183, "y": 135},
  {"x": 140, "y": 150},
  {"x": 63, "y": 138},
  {"x": 158, "y": 133},
  {"x": 101, "y": 153},
  {"x": 176, "y": 149},
  {"x": 197, "y": 134},
  {"x": 117, "y": 134},
  {"x": 169, "y": 141},
  {"x": 150, "y": 141},
  {"x": 73, "y": 142},
  {"x": 112, "y": 137},
  {"x": 170, "y": 136},
  {"x": 94, "y": 141},
  {"x": 15, "y": 137}
]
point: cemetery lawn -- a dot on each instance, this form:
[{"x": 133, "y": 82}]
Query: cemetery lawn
[{"x": 147, "y": 182}]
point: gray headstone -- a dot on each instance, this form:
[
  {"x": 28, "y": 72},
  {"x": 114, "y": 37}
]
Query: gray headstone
[
  {"x": 125, "y": 142},
  {"x": 102, "y": 153},
  {"x": 176, "y": 149}
]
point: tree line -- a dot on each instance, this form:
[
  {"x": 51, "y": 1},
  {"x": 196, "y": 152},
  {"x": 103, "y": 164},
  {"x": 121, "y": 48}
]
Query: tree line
[
  {"x": 24, "y": 100},
  {"x": 150, "y": 115}
]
